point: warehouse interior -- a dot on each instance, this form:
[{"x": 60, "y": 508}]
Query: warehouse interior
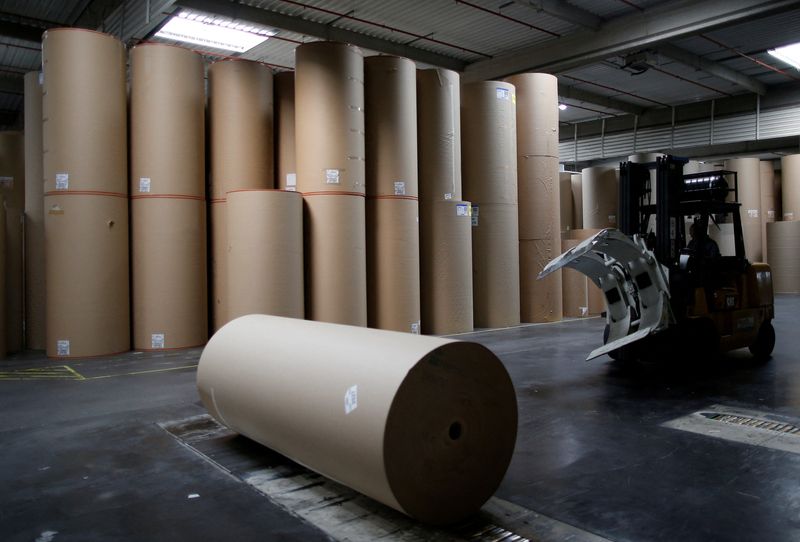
[{"x": 543, "y": 253}]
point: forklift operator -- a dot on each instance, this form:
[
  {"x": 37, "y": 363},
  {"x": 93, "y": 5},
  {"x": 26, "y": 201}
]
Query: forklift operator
[{"x": 700, "y": 239}]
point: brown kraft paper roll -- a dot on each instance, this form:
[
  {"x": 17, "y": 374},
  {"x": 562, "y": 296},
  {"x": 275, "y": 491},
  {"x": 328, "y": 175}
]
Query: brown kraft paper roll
[
  {"x": 84, "y": 111},
  {"x": 576, "y": 181},
  {"x": 14, "y": 271},
  {"x": 769, "y": 203},
  {"x": 600, "y": 196},
  {"x": 488, "y": 142},
  {"x": 790, "y": 186},
  {"x": 3, "y": 350},
  {"x": 430, "y": 434},
  {"x": 537, "y": 114},
  {"x": 329, "y": 117},
  {"x": 565, "y": 196},
  {"x": 540, "y": 299},
  {"x": 86, "y": 243},
  {"x": 336, "y": 265},
  {"x": 539, "y": 198},
  {"x": 218, "y": 241},
  {"x": 439, "y": 135},
  {"x": 393, "y": 281},
  {"x": 783, "y": 238},
  {"x": 749, "y": 174},
  {"x": 265, "y": 253},
  {"x": 285, "y": 168},
  {"x": 495, "y": 265},
  {"x": 446, "y": 267},
  {"x": 34, "y": 215},
  {"x": 12, "y": 169},
  {"x": 391, "y": 126},
  {"x": 575, "y": 287},
  {"x": 596, "y": 298}
]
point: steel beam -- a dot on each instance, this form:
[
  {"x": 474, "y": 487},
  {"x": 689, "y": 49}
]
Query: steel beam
[
  {"x": 12, "y": 85},
  {"x": 713, "y": 68},
  {"x": 572, "y": 93},
  {"x": 564, "y": 11},
  {"x": 667, "y": 21}
]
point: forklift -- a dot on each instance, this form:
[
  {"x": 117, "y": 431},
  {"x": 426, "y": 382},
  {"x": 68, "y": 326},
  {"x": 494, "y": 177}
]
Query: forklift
[{"x": 666, "y": 298}]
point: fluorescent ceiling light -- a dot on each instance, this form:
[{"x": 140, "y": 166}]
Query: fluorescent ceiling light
[
  {"x": 215, "y": 32},
  {"x": 562, "y": 107},
  {"x": 789, "y": 54}
]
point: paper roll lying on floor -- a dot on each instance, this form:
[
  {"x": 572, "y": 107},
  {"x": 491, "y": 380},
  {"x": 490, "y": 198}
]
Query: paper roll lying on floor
[{"x": 424, "y": 425}]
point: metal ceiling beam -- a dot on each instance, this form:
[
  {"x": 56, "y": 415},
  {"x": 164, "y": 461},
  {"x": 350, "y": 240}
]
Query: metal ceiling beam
[
  {"x": 319, "y": 30},
  {"x": 12, "y": 85},
  {"x": 93, "y": 12},
  {"x": 572, "y": 93},
  {"x": 21, "y": 31},
  {"x": 667, "y": 21},
  {"x": 713, "y": 68},
  {"x": 564, "y": 11}
]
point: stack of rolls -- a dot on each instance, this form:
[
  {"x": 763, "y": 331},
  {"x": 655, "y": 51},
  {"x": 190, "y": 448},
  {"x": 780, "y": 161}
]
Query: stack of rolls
[
  {"x": 748, "y": 176},
  {"x": 567, "y": 201},
  {"x": 445, "y": 219},
  {"x": 330, "y": 157},
  {"x": 599, "y": 186},
  {"x": 790, "y": 187},
  {"x": 769, "y": 201},
  {"x": 488, "y": 116},
  {"x": 34, "y": 214},
  {"x": 12, "y": 187},
  {"x": 393, "y": 276},
  {"x": 783, "y": 236}
]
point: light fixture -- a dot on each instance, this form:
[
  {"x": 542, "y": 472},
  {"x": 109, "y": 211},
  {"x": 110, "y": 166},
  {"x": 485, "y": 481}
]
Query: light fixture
[
  {"x": 789, "y": 54},
  {"x": 215, "y": 32},
  {"x": 562, "y": 107}
]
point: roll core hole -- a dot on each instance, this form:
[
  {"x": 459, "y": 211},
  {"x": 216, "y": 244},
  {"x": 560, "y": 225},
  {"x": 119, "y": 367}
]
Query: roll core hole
[{"x": 455, "y": 431}]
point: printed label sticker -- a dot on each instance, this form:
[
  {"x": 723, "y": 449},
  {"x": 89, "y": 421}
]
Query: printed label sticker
[
  {"x": 332, "y": 176},
  {"x": 771, "y": 214},
  {"x": 157, "y": 340},
  {"x": 415, "y": 327},
  {"x": 62, "y": 348},
  {"x": 752, "y": 213},
  {"x": 291, "y": 180},
  {"x": 463, "y": 209},
  {"x": 62, "y": 181},
  {"x": 7, "y": 182},
  {"x": 399, "y": 188},
  {"x": 448, "y": 196},
  {"x": 475, "y": 213},
  {"x": 351, "y": 399},
  {"x": 144, "y": 184},
  {"x": 503, "y": 94},
  {"x": 788, "y": 216},
  {"x": 612, "y": 219}
]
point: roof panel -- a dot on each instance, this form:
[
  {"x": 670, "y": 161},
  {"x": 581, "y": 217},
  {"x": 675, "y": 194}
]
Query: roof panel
[{"x": 53, "y": 11}]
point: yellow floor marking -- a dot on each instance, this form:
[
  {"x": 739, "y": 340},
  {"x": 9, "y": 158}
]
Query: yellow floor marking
[
  {"x": 65, "y": 372},
  {"x": 134, "y": 373}
]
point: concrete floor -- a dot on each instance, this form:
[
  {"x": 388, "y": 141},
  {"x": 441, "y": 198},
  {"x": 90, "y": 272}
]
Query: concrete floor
[{"x": 81, "y": 454}]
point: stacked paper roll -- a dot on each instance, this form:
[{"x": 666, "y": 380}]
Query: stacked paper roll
[
  {"x": 265, "y": 253},
  {"x": 488, "y": 117},
  {"x": 790, "y": 186},
  {"x": 34, "y": 215},
  {"x": 600, "y": 196},
  {"x": 783, "y": 238},
  {"x": 86, "y": 194},
  {"x": 777, "y": 181},
  {"x": 241, "y": 136},
  {"x": 393, "y": 274},
  {"x": 748, "y": 175},
  {"x": 3, "y": 349},
  {"x": 445, "y": 220},
  {"x": 12, "y": 187},
  {"x": 596, "y": 300},
  {"x": 168, "y": 208},
  {"x": 769, "y": 201},
  {"x": 285, "y": 169},
  {"x": 329, "y": 131},
  {"x": 576, "y": 287},
  {"x": 565, "y": 195},
  {"x": 576, "y": 181},
  {"x": 723, "y": 235},
  {"x": 429, "y": 431},
  {"x": 539, "y": 199}
]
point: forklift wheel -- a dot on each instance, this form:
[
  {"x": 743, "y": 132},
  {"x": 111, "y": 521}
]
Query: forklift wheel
[{"x": 764, "y": 343}]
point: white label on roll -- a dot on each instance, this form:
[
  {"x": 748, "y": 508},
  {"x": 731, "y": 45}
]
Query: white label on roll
[
  {"x": 752, "y": 213},
  {"x": 612, "y": 219},
  {"x": 291, "y": 181},
  {"x": 62, "y": 348},
  {"x": 475, "y": 212},
  {"x": 144, "y": 184},
  {"x": 584, "y": 311},
  {"x": 62, "y": 181},
  {"x": 462, "y": 209},
  {"x": 788, "y": 216},
  {"x": 157, "y": 340},
  {"x": 503, "y": 94},
  {"x": 771, "y": 214},
  {"x": 351, "y": 399},
  {"x": 415, "y": 327},
  {"x": 7, "y": 182},
  {"x": 399, "y": 188},
  {"x": 41, "y": 78},
  {"x": 448, "y": 196},
  {"x": 332, "y": 176}
]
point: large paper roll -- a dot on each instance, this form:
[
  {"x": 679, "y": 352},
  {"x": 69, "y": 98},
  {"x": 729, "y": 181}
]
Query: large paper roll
[
  {"x": 540, "y": 299},
  {"x": 783, "y": 238},
  {"x": 34, "y": 215},
  {"x": 495, "y": 265},
  {"x": 241, "y": 124},
  {"x": 596, "y": 298},
  {"x": 575, "y": 287},
  {"x": 3, "y": 350},
  {"x": 439, "y": 135},
  {"x": 218, "y": 240},
  {"x": 723, "y": 235},
  {"x": 489, "y": 142},
  {"x": 748, "y": 175},
  {"x": 87, "y": 275},
  {"x": 769, "y": 201},
  {"x": 84, "y": 111},
  {"x": 565, "y": 197},
  {"x": 539, "y": 198},
  {"x": 393, "y": 290},
  {"x": 12, "y": 188},
  {"x": 446, "y": 267},
  {"x": 577, "y": 201},
  {"x": 12, "y": 169},
  {"x": 329, "y": 117},
  {"x": 790, "y": 186},
  {"x": 600, "y": 196},
  {"x": 265, "y": 253},
  {"x": 391, "y": 126},
  {"x": 336, "y": 265},
  {"x": 285, "y": 168},
  {"x": 537, "y": 114},
  {"x": 428, "y": 431}
]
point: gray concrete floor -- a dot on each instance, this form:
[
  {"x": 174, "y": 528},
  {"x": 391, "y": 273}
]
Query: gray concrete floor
[{"x": 84, "y": 457}]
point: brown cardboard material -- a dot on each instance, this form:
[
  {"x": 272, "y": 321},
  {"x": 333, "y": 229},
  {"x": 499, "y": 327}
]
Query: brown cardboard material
[
  {"x": 12, "y": 169},
  {"x": 14, "y": 270},
  {"x": 537, "y": 114},
  {"x": 577, "y": 201},
  {"x": 540, "y": 300},
  {"x": 329, "y": 117},
  {"x": 336, "y": 265},
  {"x": 439, "y": 135},
  {"x": 600, "y": 196},
  {"x": 565, "y": 197},
  {"x": 218, "y": 265},
  {"x": 84, "y": 112},
  {"x": 489, "y": 142},
  {"x": 749, "y": 174},
  {"x": 393, "y": 290},
  {"x": 285, "y": 165},
  {"x": 575, "y": 287},
  {"x": 86, "y": 242},
  {"x": 539, "y": 198},
  {"x": 723, "y": 235},
  {"x": 769, "y": 207},
  {"x": 790, "y": 186},
  {"x": 34, "y": 215},
  {"x": 169, "y": 286},
  {"x": 241, "y": 124},
  {"x": 495, "y": 264},
  {"x": 596, "y": 298},
  {"x": 430, "y": 434},
  {"x": 783, "y": 238},
  {"x": 390, "y": 96},
  {"x": 3, "y": 350},
  {"x": 265, "y": 253}
]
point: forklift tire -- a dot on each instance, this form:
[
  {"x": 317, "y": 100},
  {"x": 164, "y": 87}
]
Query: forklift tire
[{"x": 764, "y": 343}]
